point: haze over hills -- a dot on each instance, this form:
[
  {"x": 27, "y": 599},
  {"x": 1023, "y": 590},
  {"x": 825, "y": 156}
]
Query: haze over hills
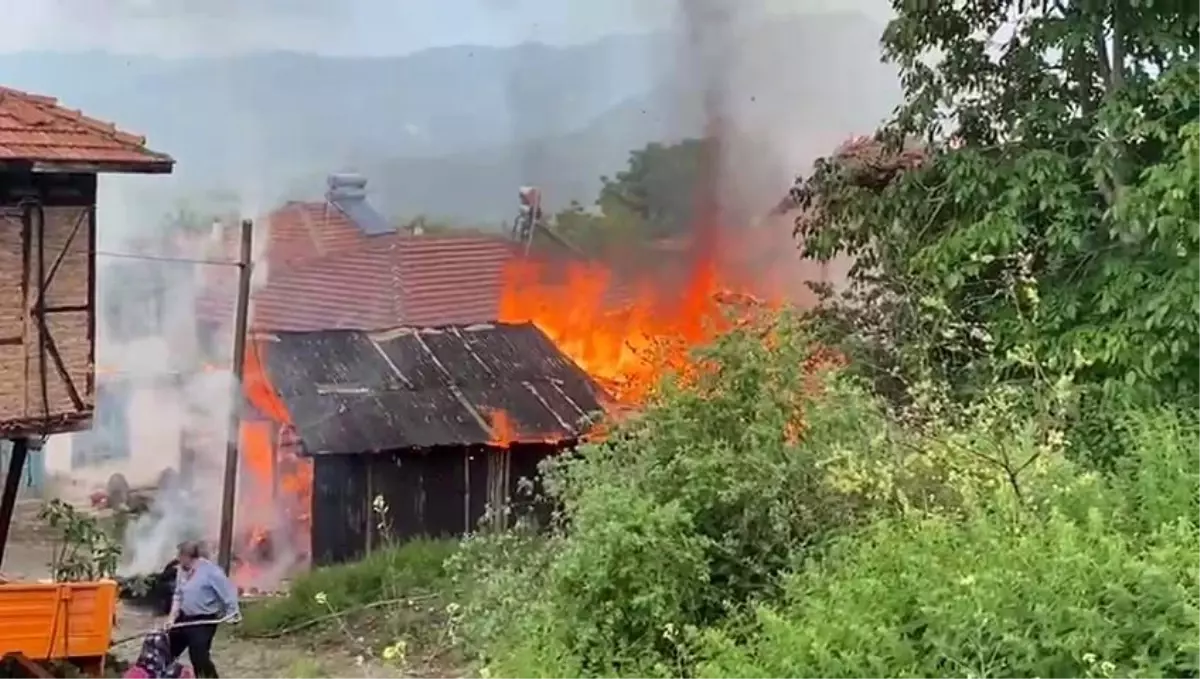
[{"x": 452, "y": 131}]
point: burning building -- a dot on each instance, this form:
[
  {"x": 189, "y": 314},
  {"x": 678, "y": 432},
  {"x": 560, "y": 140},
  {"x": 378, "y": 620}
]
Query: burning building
[{"x": 444, "y": 425}]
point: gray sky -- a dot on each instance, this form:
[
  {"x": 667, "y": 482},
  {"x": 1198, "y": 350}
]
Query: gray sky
[{"x": 361, "y": 27}]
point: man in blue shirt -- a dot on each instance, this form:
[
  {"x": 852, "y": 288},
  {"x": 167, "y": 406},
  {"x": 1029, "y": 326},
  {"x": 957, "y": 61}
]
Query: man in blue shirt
[{"x": 204, "y": 597}]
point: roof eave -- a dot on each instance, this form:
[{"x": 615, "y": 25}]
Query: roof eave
[
  {"x": 149, "y": 166},
  {"x": 566, "y": 441}
]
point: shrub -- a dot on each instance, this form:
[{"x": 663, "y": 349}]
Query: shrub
[
  {"x": 760, "y": 521},
  {"x": 689, "y": 512},
  {"x": 681, "y": 515},
  {"x": 409, "y": 570},
  {"x": 1159, "y": 478},
  {"x": 1071, "y": 588},
  {"x": 933, "y": 598}
]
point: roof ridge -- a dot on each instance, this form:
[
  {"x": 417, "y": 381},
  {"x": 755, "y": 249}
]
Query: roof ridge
[{"x": 29, "y": 96}]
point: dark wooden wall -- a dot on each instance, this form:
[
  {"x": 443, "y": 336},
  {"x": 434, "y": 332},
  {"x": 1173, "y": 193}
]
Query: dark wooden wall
[
  {"x": 53, "y": 190},
  {"x": 436, "y": 493},
  {"x": 424, "y": 492},
  {"x": 340, "y": 509}
]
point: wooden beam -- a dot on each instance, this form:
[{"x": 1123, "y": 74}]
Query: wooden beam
[
  {"x": 140, "y": 167},
  {"x": 58, "y": 259},
  {"x": 31, "y": 668},
  {"x": 12, "y": 484},
  {"x": 65, "y": 375},
  {"x": 68, "y": 309}
]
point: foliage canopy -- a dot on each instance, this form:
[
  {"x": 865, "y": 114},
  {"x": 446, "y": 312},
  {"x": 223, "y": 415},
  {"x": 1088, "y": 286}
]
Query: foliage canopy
[{"x": 1051, "y": 222}]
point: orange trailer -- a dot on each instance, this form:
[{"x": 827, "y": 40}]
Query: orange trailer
[{"x": 58, "y": 621}]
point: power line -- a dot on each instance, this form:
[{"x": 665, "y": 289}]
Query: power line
[{"x": 163, "y": 258}]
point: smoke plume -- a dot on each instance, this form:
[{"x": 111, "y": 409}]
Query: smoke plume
[{"x": 776, "y": 91}]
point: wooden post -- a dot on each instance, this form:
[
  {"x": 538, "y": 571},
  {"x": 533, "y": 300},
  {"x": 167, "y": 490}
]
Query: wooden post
[
  {"x": 12, "y": 484},
  {"x": 466, "y": 491},
  {"x": 369, "y": 496},
  {"x": 229, "y": 490}
]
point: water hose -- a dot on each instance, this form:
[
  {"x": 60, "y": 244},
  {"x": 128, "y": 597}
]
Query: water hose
[{"x": 231, "y": 619}]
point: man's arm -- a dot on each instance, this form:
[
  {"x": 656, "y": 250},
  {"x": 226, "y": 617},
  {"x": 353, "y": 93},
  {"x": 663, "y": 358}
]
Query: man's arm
[
  {"x": 228, "y": 593},
  {"x": 176, "y": 598}
]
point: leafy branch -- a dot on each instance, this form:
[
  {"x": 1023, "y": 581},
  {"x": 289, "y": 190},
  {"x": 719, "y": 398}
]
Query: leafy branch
[{"x": 83, "y": 550}]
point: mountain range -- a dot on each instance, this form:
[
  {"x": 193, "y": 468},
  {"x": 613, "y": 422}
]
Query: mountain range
[{"x": 452, "y": 132}]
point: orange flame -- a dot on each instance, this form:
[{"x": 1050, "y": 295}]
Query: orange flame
[
  {"x": 624, "y": 335},
  {"x": 504, "y": 430},
  {"x": 275, "y": 476}
]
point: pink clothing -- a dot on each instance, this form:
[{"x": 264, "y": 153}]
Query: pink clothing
[{"x": 138, "y": 672}]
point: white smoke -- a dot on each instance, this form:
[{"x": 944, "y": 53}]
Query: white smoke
[
  {"x": 163, "y": 377},
  {"x": 778, "y": 90},
  {"x": 164, "y": 389}
]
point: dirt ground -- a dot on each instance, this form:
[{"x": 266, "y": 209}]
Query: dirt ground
[{"x": 28, "y": 555}]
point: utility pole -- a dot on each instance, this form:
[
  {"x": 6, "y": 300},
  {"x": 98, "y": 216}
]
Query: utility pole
[{"x": 229, "y": 490}]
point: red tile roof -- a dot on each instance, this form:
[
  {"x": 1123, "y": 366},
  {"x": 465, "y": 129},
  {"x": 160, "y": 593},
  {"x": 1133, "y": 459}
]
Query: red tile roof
[
  {"x": 35, "y": 128},
  {"x": 304, "y": 231},
  {"x": 386, "y": 281},
  {"x": 451, "y": 279},
  {"x": 296, "y": 233}
]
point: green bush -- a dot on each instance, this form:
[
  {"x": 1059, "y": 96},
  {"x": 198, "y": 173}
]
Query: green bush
[
  {"x": 706, "y": 537},
  {"x": 1097, "y": 579},
  {"x": 1159, "y": 477},
  {"x": 682, "y": 515},
  {"x": 409, "y": 570},
  {"x": 689, "y": 513},
  {"x": 935, "y": 598}
]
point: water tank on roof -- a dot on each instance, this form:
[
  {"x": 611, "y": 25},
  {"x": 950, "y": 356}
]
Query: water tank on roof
[
  {"x": 353, "y": 179},
  {"x": 348, "y": 193},
  {"x": 347, "y": 187}
]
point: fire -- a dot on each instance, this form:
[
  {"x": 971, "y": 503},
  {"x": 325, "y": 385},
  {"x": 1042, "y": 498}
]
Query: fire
[
  {"x": 625, "y": 334},
  {"x": 627, "y": 331},
  {"x": 276, "y": 486},
  {"x": 504, "y": 430}
]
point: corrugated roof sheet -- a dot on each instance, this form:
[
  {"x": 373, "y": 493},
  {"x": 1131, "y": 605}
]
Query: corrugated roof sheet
[
  {"x": 356, "y": 392},
  {"x": 35, "y": 128}
]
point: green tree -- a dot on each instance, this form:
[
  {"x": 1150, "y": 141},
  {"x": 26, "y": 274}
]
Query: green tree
[
  {"x": 598, "y": 232},
  {"x": 658, "y": 186},
  {"x": 651, "y": 198},
  {"x": 1042, "y": 215}
]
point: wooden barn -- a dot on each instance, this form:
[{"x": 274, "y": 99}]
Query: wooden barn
[
  {"x": 441, "y": 423},
  {"x": 50, "y": 158}
]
